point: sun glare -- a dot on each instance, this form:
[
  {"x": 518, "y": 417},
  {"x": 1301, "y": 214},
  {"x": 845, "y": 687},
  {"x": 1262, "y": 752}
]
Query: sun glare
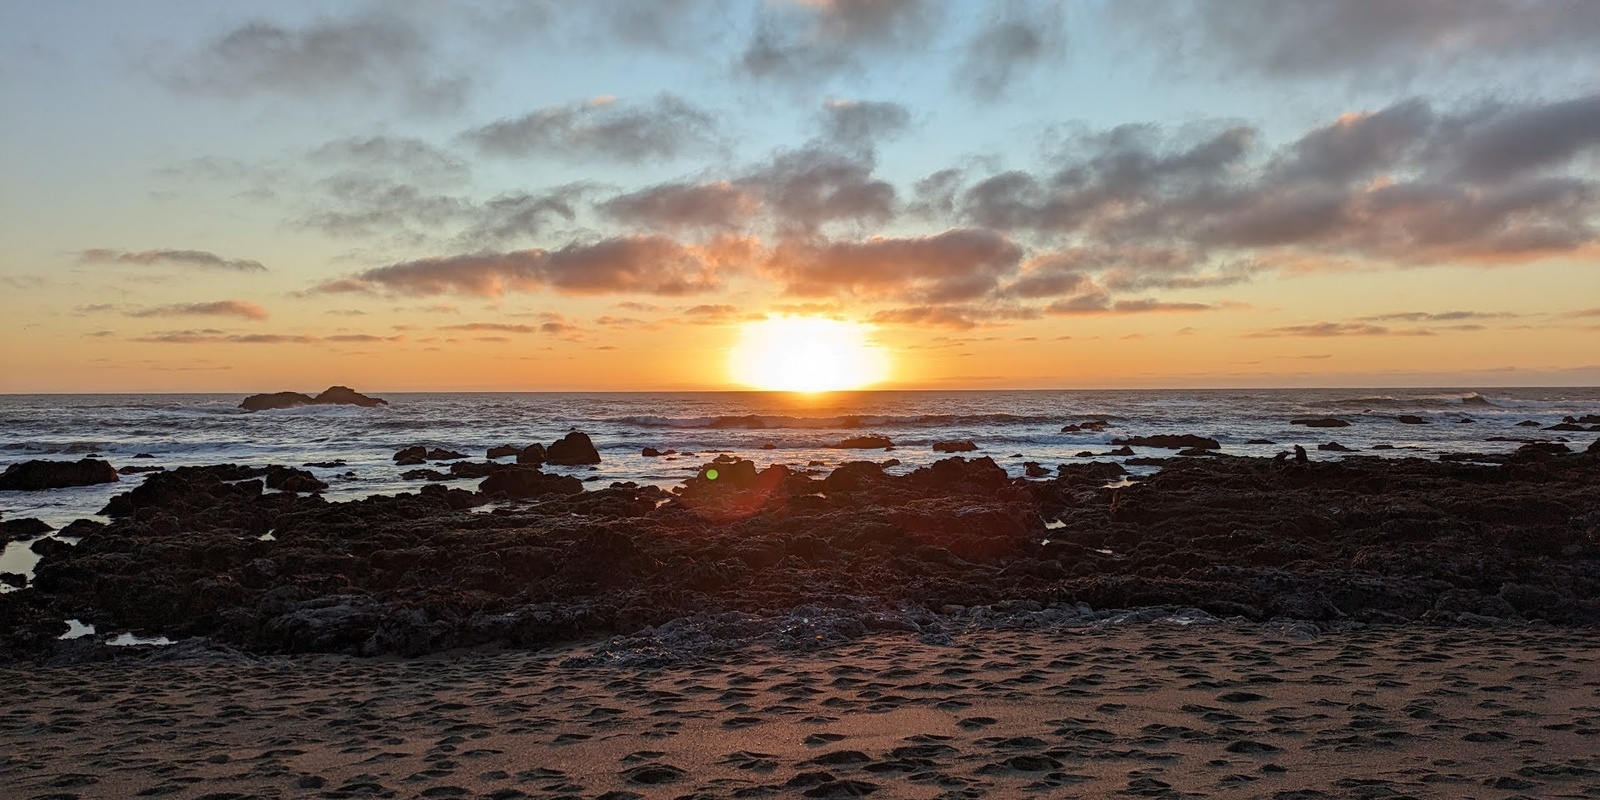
[{"x": 807, "y": 354}]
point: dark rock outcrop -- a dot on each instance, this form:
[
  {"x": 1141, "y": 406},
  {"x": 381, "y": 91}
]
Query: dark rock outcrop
[
  {"x": 525, "y": 482},
  {"x": 954, "y": 446},
  {"x": 1321, "y": 422},
  {"x": 418, "y": 454},
  {"x": 571, "y": 450},
  {"x": 1171, "y": 442},
  {"x": 503, "y": 450},
  {"x": 1411, "y": 419},
  {"x": 869, "y": 442},
  {"x": 22, "y": 529},
  {"x": 39, "y": 475},
  {"x": 534, "y": 454},
  {"x": 333, "y": 395},
  {"x": 1335, "y": 447}
]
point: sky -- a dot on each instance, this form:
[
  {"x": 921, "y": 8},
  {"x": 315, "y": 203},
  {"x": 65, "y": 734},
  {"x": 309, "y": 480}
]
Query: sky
[{"x": 442, "y": 195}]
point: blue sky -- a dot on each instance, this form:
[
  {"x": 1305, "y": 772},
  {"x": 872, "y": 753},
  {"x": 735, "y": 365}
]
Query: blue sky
[{"x": 529, "y": 195}]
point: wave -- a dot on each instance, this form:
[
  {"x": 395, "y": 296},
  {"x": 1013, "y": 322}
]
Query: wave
[
  {"x": 1390, "y": 402},
  {"x": 843, "y": 422}
]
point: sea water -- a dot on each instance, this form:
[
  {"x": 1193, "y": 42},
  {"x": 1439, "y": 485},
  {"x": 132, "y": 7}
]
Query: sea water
[{"x": 1012, "y": 427}]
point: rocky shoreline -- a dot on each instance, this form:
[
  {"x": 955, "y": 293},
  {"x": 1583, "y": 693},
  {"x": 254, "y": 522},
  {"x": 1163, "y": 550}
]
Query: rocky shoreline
[{"x": 531, "y": 559}]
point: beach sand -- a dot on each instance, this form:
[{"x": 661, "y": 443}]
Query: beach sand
[{"x": 1147, "y": 710}]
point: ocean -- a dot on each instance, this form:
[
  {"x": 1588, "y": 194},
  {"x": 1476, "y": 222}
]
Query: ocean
[{"x": 1012, "y": 427}]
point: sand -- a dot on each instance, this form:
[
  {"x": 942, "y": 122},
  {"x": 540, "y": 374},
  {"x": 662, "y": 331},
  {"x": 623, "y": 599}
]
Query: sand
[{"x": 1151, "y": 710}]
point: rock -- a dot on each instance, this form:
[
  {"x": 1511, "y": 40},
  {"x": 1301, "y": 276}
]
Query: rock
[
  {"x": 1145, "y": 461},
  {"x": 1586, "y": 419},
  {"x": 22, "y": 529},
  {"x": 1335, "y": 447},
  {"x": 1260, "y": 441},
  {"x": 1171, "y": 442},
  {"x": 769, "y": 446},
  {"x": 469, "y": 469},
  {"x": 650, "y": 452},
  {"x": 1033, "y": 470},
  {"x": 1383, "y": 447},
  {"x": 263, "y": 402},
  {"x": 571, "y": 450},
  {"x": 525, "y": 482},
  {"x": 1411, "y": 419},
  {"x": 345, "y": 396},
  {"x": 1120, "y": 451},
  {"x": 38, "y": 476},
  {"x": 1095, "y": 425},
  {"x": 1539, "y": 450},
  {"x": 1321, "y": 422},
  {"x": 533, "y": 454},
  {"x": 334, "y": 464},
  {"x": 418, "y": 454},
  {"x": 333, "y": 395},
  {"x": 1195, "y": 451},
  {"x": 14, "y": 579},
  {"x": 962, "y": 446},
  {"x": 289, "y": 479},
  {"x": 504, "y": 450},
  {"x": 1466, "y": 420},
  {"x": 424, "y": 475},
  {"x": 871, "y": 442},
  {"x": 1565, "y": 426},
  {"x": 137, "y": 470},
  {"x": 1300, "y": 456},
  {"x": 1527, "y": 423},
  {"x": 143, "y": 455},
  {"x": 1594, "y": 447}
]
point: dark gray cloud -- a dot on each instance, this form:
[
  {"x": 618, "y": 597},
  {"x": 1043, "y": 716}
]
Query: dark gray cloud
[
  {"x": 807, "y": 188},
  {"x": 219, "y": 308},
  {"x": 412, "y": 158},
  {"x": 1018, "y": 37},
  {"x": 514, "y": 217},
  {"x": 378, "y": 51},
  {"x": 957, "y": 265},
  {"x": 1504, "y": 142},
  {"x": 1398, "y": 38},
  {"x": 181, "y": 258},
  {"x": 861, "y": 124},
  {"x": 804, "y": 41},
  {"x": 677, "y": 206},
  {"x": 623, "y": 265},
  {"x": 605, "y": 128}
]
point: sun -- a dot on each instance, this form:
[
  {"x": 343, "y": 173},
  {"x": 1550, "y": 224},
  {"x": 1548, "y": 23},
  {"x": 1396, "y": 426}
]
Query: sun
[{"x": 807, "y": 354}]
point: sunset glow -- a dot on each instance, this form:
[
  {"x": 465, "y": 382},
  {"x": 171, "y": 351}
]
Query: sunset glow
[{"x": 807, "y": 354}]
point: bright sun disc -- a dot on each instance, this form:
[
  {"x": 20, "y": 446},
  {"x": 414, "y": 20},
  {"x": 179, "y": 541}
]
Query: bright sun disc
[{"x": 807, "y": 354}]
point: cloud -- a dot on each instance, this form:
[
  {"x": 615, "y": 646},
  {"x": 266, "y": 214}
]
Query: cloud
[
  {"x": 359, "y": 205},
  {"x": 378, "y": 51},
  {"x": 512, "y": 217},
  {"x": 805, "y": 40},
  {"x": 1329, "y": 329},
  {"x": 362, "y": 337},
  {"x": 658, "y": 129},
  {"x": 957, "y": 265},
  {"x": 805, "y": 189},
  {"x": 861, "y": 124},
  {"x": 1444, "y": 316},
  {"x": 1505, "y": 142},
  {"x": 958, "y": 317},
  {"x": 622, "y": 265},
  {"x": 1021, "y": 35},
  {"x": 412, "y": 157},
  {"x": 678, "y": 206},
  {"x": 214, "y": 336},
  {"x": 220, "y": 308},
  {"x": 182, "y": 258},
  {"x": 490, "y": 326},
  {"x": 1317, "y": 38},
  {"x": 1101, "y": 303}
]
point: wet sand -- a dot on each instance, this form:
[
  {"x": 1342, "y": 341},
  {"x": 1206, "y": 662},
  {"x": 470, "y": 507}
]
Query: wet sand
[{"x": 1152, "y": 710}]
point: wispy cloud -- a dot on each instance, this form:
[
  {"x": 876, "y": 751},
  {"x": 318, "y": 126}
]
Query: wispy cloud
[
  {"x": 183, "y": 258},
  {"x": 220, "y": 308},
  {"x": 1330, "y": 329}
]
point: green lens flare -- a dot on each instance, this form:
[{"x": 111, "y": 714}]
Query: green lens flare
[{"x": 711, "y": 474}]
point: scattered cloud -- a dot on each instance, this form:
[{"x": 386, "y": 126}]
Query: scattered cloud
[
  {"x": 214, "y": 336},
  {"x": 622, "y": 265},
  {"x": 957, "y": 265},
  {"x": 1020, "y": 35},
  {"x": 182, "y": 258},
  {"x": 490, "y": 326},
  {"x": 632, "y": 132},
  {"x": 1329, "y": 329},
  {"x": 219, "y": 308}
]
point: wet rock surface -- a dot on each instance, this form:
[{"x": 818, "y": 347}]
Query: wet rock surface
[
  {"x": 1363, "y": 540},
  {"x": 41, "y": 475}
]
